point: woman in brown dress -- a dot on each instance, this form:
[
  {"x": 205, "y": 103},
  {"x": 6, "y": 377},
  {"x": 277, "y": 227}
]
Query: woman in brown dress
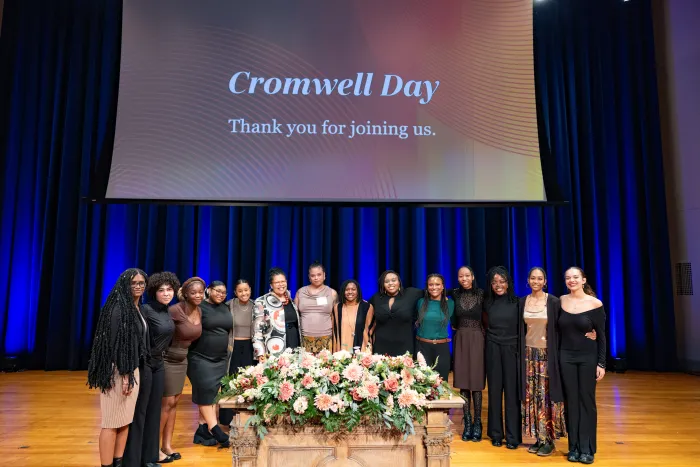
[
  {"x": 188, "y": 327},
  {"x": 120, "y": 345},
  {"x": 469, "y": 375}
]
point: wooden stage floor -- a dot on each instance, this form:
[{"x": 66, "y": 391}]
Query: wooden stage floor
[{"x": 645, "y": 419}]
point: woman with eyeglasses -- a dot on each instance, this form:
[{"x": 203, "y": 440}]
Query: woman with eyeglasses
[
  {"x": 207, "y": 362},
  {"x": 504, "y": 321},
  {"x": 118, "y": 350},
  {"x": 187, "y": 316},
  {"x": 275, "y": 319}
]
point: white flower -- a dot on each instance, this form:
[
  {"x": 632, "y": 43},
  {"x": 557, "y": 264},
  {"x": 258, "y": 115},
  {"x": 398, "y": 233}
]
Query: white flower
[
  {"x": 420, "y": 376},
  {"x": 301, "y": 404},
  {"x": 342, "y": 355},
  {"x": 421, "y": 360},
  {"x": 240, "y": 399},
  {"x": 433, "y": 378}
]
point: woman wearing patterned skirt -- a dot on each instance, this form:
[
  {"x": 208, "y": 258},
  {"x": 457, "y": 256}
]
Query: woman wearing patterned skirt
[
  {"x": 119, "y": 347},
  {"x": 315, "y": 304},
  {"x": 469, "y": 343},
  {"x": 542, "y": 397}
]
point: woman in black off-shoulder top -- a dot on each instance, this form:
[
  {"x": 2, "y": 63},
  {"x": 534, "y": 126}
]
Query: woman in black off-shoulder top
[{"x": 582, "y": 362}]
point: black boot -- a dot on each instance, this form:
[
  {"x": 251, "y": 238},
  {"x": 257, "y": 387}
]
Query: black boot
[
  {"x": 220, "y": 436},
  {"x": 476, "y": 430},
  {"x": 110, "y": 465},
  {"x": 203, "y": 436},
  {"x": 467, "y": 433},
  {"x": 118, "y": 461}
]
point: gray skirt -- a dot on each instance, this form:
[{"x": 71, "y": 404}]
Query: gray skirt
[{"x": 175, "y": 363}]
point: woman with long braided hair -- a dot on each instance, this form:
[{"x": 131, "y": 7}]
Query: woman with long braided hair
[{"x": 120, "y": 345}]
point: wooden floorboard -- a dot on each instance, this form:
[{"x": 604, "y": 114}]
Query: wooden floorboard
[{"x": 645, "y": 419}]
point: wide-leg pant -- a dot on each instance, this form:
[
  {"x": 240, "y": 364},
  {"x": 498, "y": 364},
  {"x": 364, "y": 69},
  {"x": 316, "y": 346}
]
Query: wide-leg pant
[
  {"x": 502, "y": 382},
  {"x": 143, "y": 442},
  {"x": 578, "y": 373}
]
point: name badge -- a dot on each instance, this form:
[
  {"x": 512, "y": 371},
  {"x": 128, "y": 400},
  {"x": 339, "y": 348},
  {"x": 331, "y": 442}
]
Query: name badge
[{"x": 321, "y": 301}]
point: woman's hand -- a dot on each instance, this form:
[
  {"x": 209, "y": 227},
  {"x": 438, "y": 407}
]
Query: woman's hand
[
  {"x": 126, "y": 390},
  {"x": 592, "y": 335},
  {"x": 599, "y": 373}
]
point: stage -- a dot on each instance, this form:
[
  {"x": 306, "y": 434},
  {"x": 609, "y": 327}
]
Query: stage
[{"x": 645, "y": 419}]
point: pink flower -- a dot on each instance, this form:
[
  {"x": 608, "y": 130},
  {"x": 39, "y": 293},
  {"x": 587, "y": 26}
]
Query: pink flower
[
  {"x": 438, "y": 382},
  {"x": 286, "y": 391},
  {"x": 334, "y": 378},
  {"x": 407, "y": 362},
  {"x": 323, "y": 402},
  {"x": 245, "y": 383},
  {"x": 261, "y": 380},
  {"x": 406, "y": 376},
  {"x": 367, "y": 361},
  {"x": 421, "y": 360},
  {"x": 308, "y": 360},
  {"x": 353, "y": 372},
  {"x": 391, "y": 384},
  {"x": 372, "y": 389},
  {"x": 406, "y": 399},
  {"x": 283, "y": 361},
  {"x": 356, "y": 395},
  {"x": 307, "y": 381},
  {"x": 324, "y": 355}
]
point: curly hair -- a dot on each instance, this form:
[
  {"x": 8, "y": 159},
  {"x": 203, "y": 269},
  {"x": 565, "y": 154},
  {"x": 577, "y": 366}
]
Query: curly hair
[
  {"x": 125, "y": 354},
  {"x": 158, "y": 280}
]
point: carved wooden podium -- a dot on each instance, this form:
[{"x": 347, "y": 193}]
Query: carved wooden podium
[{"x": 366, "y": 446}]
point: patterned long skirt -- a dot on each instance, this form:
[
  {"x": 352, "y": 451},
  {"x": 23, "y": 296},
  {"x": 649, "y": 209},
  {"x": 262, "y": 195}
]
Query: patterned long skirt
[
  {"x": 542, "y": 418},
  {"x": 316, "y": 344}
]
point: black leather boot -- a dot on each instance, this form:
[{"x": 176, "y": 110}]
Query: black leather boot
[
  {"x": 203, "y": 436},
  {"x": 118, "y": 462},
  {"x": 476, "y": 430},
  {"x": 468, "y": 428},
  {"x": 220, "y": 436}
]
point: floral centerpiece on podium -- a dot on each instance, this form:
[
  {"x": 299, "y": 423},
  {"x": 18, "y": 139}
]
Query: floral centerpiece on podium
[{"x": 338, "y": 391}]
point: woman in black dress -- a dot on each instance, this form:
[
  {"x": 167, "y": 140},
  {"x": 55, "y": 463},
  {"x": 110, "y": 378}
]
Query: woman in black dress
[
  {"x": 582, "y": 362},
  {"x": 395, "y": 315},
  {"x": 241, "y": 309},
  {"x": 469, "y": 375},
  {"x": 502, "y": 364},
  {"x": 142, "y": 446},
  {"x": 207, "y": 362}
]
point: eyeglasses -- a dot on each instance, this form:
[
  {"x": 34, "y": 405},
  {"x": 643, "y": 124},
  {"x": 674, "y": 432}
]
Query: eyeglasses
[
  {"x": 138, "y": 285},
  {"x": 219, "y": 291}
]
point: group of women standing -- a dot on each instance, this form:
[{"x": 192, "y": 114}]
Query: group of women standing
[
  {"x": 536, "y": 352},
  {"x": 542, "y": 357},
  {"x": 142, "y": 353}
]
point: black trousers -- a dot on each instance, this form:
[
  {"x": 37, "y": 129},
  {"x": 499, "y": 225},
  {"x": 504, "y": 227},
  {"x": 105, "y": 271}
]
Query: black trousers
[
  {"x": 502, "y": 378},
  {"x": 578, "y": 375},
  {"x": 433, "y": 352},
  {"x": 143, "y": 443}
]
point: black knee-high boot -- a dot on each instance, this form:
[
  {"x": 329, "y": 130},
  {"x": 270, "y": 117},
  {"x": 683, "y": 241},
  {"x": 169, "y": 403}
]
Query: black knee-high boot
[
  {"x": 467, "y": 433},
  {"x": 476, "y": 432}
]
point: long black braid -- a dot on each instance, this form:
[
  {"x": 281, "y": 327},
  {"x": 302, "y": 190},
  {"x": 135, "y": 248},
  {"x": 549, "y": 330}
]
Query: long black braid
[{"x": 125, "y": 353}]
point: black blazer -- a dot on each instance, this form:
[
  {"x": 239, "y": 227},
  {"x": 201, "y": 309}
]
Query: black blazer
[{"x": 553, "y": 339}]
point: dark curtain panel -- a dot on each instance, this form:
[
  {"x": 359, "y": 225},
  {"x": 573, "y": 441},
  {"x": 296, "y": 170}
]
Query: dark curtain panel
[{"x": 59, "y": 255}]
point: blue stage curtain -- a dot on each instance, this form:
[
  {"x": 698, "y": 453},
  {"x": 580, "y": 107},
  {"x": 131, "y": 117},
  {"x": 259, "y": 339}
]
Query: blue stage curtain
[{"x": 59, "y": 255}]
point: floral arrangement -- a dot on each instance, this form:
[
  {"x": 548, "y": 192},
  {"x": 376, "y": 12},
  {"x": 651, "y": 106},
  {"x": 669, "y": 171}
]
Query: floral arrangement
[{"x": 337, "y": 390}]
